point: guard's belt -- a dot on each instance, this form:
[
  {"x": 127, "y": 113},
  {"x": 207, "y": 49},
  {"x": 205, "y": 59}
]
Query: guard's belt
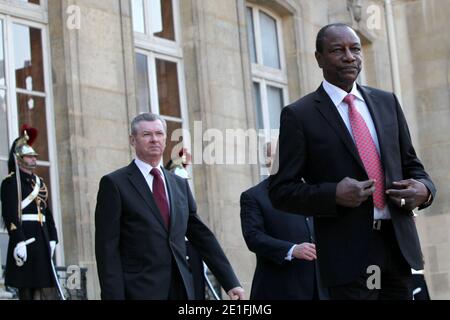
[{"x": 32, "y": 217}]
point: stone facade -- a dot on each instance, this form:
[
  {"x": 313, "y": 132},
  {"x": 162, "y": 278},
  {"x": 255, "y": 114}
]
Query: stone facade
[{"x": 95, "y": 98}]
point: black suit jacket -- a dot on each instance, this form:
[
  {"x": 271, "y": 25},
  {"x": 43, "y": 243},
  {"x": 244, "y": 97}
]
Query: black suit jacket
[
  {"x": 270, "y": 234},
  {"x": 316, "y": 151},
  {"x": 134, "y": 249}
]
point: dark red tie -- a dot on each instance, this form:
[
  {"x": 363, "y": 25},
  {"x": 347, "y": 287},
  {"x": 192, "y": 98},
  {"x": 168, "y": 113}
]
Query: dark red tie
[
  {"x": 159, "y": 193},
  {"x": 367, "y": 151}
]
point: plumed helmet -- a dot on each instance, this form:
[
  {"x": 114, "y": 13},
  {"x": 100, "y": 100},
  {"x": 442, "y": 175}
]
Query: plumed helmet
[{"x": 24, "y": 144}]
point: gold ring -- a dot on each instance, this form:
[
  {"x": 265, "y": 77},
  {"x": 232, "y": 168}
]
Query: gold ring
[{"x": 402, "y": 202}]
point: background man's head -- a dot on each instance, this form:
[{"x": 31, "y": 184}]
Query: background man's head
[
  {"x": 339, "y": 55},
  {"x": 271, "y": 154},
  {"x": 148, "y": 137}
]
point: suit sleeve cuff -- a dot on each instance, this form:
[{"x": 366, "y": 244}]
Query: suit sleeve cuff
[{"x": 289, "y": 256}]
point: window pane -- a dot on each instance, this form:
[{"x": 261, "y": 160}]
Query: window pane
[
  {"x": 269, "y": 39},
  {"x": 143, "y": 92},
  {"x": 258, "y": 106},
  {"x": 161, "y": 12},
  {"x": 28, "y": 58},
  {"x": 4, "y": 142},
  {"x": 138, "y": 15},
  {"x": 275, "y": 104},
  {"x": 3, "y": 237},
  {"x": 168, "y": 91},
  {"x": 2, "y": 57},
  {"x": 251, "y": 35},
  {"x": 3, "y": 174},
  {"x": 171, "y": 127},
  {"x": 31, "y": 111},
  {"x": 31, "y": 1}
]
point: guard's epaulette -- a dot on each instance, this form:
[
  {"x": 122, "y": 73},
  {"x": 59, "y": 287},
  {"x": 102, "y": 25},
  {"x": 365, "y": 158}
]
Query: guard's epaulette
[{"x": 9, "y": 176}]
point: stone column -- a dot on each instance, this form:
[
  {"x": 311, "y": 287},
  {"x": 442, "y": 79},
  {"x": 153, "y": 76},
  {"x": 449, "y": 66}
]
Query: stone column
[
  {"x": 93, "y": 89},
  {"x": 427, "y": 25},
  {"x": 219, "y": 95}
]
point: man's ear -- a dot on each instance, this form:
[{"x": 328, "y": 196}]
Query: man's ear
[
  {"x": 319, "y": 59},
  {"x": 132, "y": 140}
]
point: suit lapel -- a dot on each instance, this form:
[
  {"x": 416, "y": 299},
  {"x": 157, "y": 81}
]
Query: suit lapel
[
  {"x": 329, "y": 111},
  {"x": 141, "y": 186},
  {"x": 170, "y": 182}
]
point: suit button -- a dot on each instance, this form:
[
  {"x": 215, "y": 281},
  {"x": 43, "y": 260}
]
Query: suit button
[{"x": 307, "y": 219}]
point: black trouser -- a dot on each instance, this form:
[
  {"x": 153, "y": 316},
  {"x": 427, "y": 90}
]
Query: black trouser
[
  {"x": 396, "y": 277},
  {"x": 37, "y": 294}
]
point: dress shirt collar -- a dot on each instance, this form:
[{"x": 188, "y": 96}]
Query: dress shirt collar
[
  {"x": 337, "y": 95},
  {"x": 145, "y": 168}
]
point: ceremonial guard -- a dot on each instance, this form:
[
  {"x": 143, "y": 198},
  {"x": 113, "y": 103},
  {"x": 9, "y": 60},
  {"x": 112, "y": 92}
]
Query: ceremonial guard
[{"x": 29, "y": 221}]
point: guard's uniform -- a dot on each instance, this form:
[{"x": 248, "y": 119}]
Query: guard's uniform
[{"x": 37, "y": 222}]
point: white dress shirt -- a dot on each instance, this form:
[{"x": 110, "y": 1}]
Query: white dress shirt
[
  {"x": 145, "y": 169},
  {"x": 337, "y": 95}
]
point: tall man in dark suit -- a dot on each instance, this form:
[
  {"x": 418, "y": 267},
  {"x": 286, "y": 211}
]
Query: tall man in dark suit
[
  {"x": 346, "y": 157},
  {"x": 143, "y": 215},
  {"x": 284, "y": 248}
]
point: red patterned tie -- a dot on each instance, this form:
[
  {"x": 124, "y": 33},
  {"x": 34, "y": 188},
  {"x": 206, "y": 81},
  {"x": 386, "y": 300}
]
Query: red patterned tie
[
  {"x": 159, "y": 193},
  {"x": 367, "y": 151}
]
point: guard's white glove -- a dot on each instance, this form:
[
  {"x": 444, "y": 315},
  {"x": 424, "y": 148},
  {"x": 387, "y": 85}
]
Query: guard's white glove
[
  {"x": 52, "y": 247},
  {"x": 20, "y": 253}
]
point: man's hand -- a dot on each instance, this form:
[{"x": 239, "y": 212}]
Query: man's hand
[
  {"x": 20, "y": 253},
  {"x": 236, "y": 293},
  {"x": 414, "y": 193},
  {"x": 305, "y": 251},
  {"x": 351, "y": 193}
]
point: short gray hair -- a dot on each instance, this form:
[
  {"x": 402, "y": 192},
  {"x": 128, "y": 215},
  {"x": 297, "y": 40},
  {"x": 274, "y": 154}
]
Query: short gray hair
[{"x": 146, "y": 117}]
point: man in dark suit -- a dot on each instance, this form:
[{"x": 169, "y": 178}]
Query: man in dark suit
[
  {"x": 284, "y": 248},
  {"x": 143, "y": 215},
  {"x": 346, "y": 157}
]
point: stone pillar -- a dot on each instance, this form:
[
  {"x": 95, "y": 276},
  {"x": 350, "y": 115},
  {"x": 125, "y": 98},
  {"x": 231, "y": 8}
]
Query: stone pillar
[
  {"x": 219, "y": 95},
  {"x": 427, "y": 25},
  {"x": 93, "y": 89}
]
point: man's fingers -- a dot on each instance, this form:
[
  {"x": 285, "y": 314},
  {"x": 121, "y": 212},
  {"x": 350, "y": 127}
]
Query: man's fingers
[
  {"x": 366, "y": 184},
  {"x": 367, "y": 192},
  {"x": 403, "y": 193},
  {"x": 308, "y": 257},
  {"x": 404, "y": 183},
  {"x": 310, "y": 254},
  {"x": 398, "y": 202}
]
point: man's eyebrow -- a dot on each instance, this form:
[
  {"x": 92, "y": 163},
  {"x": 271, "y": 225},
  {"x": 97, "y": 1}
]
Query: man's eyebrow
[
  {"x": 338, "y": 44},
  {"x": 150, "y": 131}
]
